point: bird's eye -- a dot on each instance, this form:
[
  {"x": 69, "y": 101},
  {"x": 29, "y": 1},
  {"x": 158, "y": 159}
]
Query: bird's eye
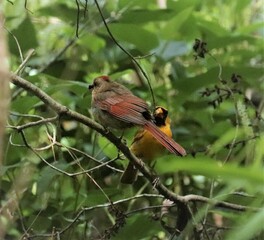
[{"x": 96, "y": 83}]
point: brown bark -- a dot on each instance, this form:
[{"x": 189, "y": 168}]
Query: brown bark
[
  {"x": 4, "y": 96},
  {"x": 4, "y": 82}
]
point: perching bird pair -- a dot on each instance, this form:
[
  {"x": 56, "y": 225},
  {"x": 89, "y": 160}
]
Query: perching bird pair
[{"x": 114, "y": 106}]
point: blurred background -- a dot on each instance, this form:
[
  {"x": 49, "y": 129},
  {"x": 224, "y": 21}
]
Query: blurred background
[{"x": 213, "y": 89}]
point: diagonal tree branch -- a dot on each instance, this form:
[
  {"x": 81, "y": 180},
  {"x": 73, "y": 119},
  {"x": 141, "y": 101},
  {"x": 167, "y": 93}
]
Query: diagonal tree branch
[{"x": 62, "y": 110}]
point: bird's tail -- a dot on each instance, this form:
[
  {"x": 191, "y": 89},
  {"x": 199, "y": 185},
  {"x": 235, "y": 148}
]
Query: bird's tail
[
  {"x": 130, "y": 174},
  {"x": 166, "y": 141}
]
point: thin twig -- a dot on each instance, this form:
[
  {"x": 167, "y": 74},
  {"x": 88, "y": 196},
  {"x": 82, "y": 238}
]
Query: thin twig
[
  {"x": 235, "y": 103},
  {"x": 101, "y": 164},
  {"x": 95, "y": 160},
  {"x": 17, "y": 43},
  {"x": 32, "y": 124},
  {"x": 25, "y": 5},
  {"x": 54, "y": 142},
  {"x": 77, "y": 18},
  {"x": 126, "y": 52},
  {"x": 145, "y": 56},
  {"x": 60, "y": 109},
  {"x": 69, "y": 43},
  {"x": 98, "y": 186},
  {"x": 105, "y": 205},
  {"x": 85, "y": 8},
  {"x": 58, "y": 55},
  {"x": 146, "y": 209},
  {"x": 23, "y": 64}
]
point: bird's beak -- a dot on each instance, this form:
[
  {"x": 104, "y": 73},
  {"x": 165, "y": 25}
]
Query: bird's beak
[
  {"x": 161, "y": 113},
  {"x": 91, "y": 86},
  {"x": 158, "y": 112}
]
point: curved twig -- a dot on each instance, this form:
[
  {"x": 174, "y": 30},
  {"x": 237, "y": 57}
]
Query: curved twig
[
  {"x": 127, "y": 53},
  {"x": 62, "y": 110}
]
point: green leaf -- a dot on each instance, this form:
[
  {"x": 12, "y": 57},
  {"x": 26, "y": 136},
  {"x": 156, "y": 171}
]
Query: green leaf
[
  {"x": 172, "y": 27},
  {"x": 194, "y": 83},
  {"x": 251, "y": 28},
  {"x": 24, "y": 104},
  {"x": 144, "y": 16},
  {"x": 47, "y": 176},
  {"x": 61, "y": 11},
  {"x": 220, "y": 42},
  {"x": 181, "y": 5},
  {"x": 226, "y": 137},
  {"x": 251, "y": 226},
  {"x": 211, "y": 28},
  {"x": 133, "y": 4},
  {"x": 141, "y": 38},
  {"x": 144, "y": 226},
  {"x": 187, "y": 86},
  {"x": 26, "y": 37},
  {"x": 107, "y": 147},
  {"x": 92, "y": 42},
  {"x": 245, "y": 176}
]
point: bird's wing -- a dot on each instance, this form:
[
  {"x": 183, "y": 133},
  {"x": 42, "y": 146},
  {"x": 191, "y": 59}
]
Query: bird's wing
[
  {"x": 127, "y": 108},
  {"x": 165, "y": 140},
  {"x": 139, "y": 135}
]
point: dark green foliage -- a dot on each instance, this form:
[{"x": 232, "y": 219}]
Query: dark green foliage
[{"x": 204, "y": 60}]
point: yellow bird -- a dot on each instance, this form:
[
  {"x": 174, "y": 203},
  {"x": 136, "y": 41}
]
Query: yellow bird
[{"x": 146, "y": 147}]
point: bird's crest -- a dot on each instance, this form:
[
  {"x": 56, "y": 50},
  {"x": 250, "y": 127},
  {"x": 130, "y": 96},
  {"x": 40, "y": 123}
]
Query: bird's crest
[{"x": 104, "y": 77}]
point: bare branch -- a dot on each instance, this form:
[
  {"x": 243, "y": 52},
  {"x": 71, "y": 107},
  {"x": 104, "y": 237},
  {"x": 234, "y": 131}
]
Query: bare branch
[
  {"x": 32, "y": 124},
  {"x": 62, "y": 110},
  {"x": 23, "y": 64},
  {"x": 102, "y": 206}
]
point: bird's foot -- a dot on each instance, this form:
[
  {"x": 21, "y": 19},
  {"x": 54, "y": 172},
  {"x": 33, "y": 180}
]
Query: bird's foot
[
  {"x": 122, "y": 135},
  {"x": 107, "y": 130},
  {"x": 124, "y": 141},
  {"x": 120, "y": 155},
  {"x": 155, "y": 182}
]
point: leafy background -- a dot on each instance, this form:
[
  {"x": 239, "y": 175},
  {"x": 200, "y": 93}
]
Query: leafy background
[{"x": 222, "y": 133}]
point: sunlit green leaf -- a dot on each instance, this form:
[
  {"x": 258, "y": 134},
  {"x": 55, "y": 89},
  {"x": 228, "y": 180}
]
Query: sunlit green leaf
[
  {"x": 213, "y": 169},
  {"x": 141, "y": 38}
]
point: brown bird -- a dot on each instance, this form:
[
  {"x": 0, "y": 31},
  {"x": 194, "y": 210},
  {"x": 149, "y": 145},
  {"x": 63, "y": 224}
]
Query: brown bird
[
  {"x": 114, "y": 106},
  {"x": 145, "y": 146}
]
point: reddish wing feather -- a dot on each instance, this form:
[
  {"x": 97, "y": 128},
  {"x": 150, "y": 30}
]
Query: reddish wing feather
[
  {"x": 167, "y": 142},
  {"x": 128, "y": 108},
  {"x": 128, "y": 115}
]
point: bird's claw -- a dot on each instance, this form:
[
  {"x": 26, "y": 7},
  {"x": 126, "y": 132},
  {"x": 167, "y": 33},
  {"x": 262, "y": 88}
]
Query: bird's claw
[
  {"x": 124, "y": 141},
  {"x": 120, "y": 155},
  {"x": 155, "y": 182},
  {"x": 107, "y": 130}
]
